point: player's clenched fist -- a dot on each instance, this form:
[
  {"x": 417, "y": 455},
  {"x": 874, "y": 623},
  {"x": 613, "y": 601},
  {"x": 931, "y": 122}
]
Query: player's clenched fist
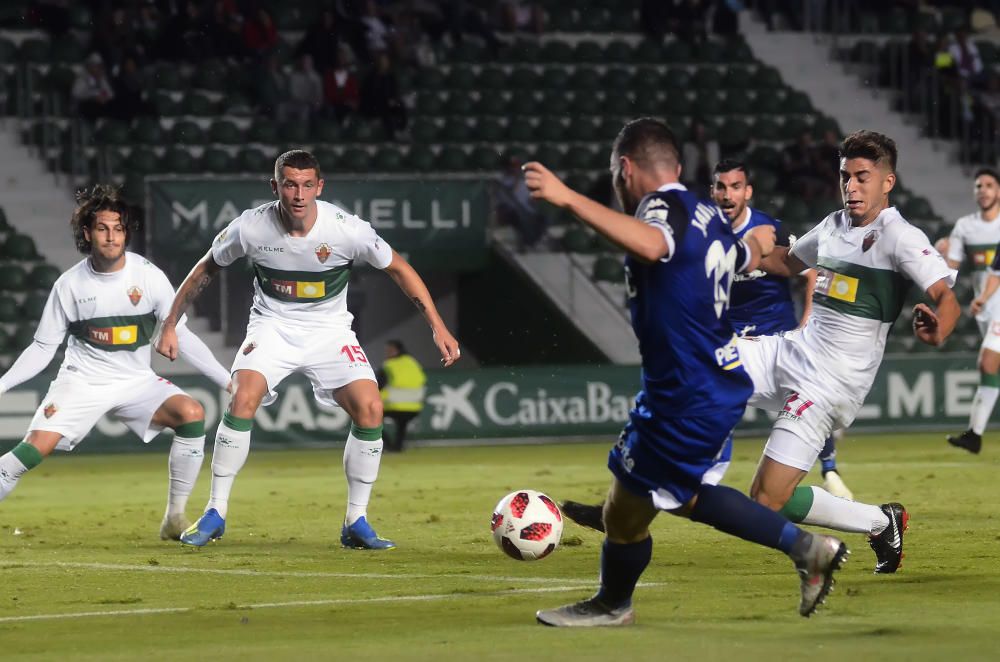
[
  {"x": 765, "y": 238},
  {"x": 544, "y": 185}
]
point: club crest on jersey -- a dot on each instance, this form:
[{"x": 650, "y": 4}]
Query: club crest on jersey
[
  {"x": 869, "y": 240},
  {"x": 134, "y": 295},
  {"x": 50, "y": 410},
  {"x": 251, "y": 346},
  {"x": 323, "y": 252}
]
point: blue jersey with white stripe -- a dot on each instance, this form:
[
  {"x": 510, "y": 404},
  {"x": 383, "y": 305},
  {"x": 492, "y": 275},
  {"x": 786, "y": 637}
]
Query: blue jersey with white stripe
[
  {"x": 760, "y": 303},
  {"x": 690, "y": 363}
]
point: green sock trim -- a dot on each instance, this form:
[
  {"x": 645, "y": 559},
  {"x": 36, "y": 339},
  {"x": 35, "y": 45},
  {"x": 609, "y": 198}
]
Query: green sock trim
[
  {"x": 798, "y": 506},
  {"x": 366, "y": 434},
  {"x": 989, "y": 380},
  {"x": 29, "y": 456},
  {"x": 191, "y": 430},
  {"x": 236, "y": 423}
]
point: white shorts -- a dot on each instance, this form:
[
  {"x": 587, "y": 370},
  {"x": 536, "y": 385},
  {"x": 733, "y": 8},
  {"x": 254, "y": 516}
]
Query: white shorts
[
  {"x": 330, "y": 358},
  {"x": 780, "y": 372},
  {"x": 990, "y": 330},
  {"x": 72, "y": 407}
]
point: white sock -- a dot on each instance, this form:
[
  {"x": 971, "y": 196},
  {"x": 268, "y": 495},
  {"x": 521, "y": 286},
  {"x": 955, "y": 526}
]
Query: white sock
[
  {"x": 361, "y": 462},
  {"x": 982, "y": 407},
  {"x": 228, "y": 457},
  {"x": 845, "y": 515},
  {"x": 11, "y": 470},
  {"x": 183, "y": 465}
]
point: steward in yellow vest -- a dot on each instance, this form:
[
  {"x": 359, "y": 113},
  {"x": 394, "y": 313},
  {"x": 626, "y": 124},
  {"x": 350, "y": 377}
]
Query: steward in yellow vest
[{"x": 402, "y": 381}]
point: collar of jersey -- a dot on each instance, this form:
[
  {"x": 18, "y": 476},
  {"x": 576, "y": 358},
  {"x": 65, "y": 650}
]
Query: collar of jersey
[
  {"x": 882, "y": 217},
  {"x": 738, "y": 227},
  {"x": 673, "y": 186},
  {"x": 106, "y": 274}
]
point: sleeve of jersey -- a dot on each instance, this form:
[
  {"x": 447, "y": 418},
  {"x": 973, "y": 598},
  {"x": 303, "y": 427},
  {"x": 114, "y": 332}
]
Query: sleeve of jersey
[
  {"x": 227, "y": 247},
  {"x": 657, "y": 211},
  {"x": 956, "y": 244},
  {"x": 370, "y": 247},
  {"x": 49, "y": 335},
  {"x": 806, "y": 247},
  {"x": 919, "y": 262}
]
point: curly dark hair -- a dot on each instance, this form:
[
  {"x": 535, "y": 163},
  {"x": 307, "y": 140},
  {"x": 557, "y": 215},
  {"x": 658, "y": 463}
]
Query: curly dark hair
[{"x": 102, "y": 197}]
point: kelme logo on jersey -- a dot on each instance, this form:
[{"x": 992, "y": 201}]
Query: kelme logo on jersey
[
  {"x": 300, "y": 289},
  {"x": 134, "y": 295},
  {"x": 113, "y": 335},
  {"x": 50, "y": 410},
  {"x": 323, "y": 252},
  {"x": 836, "y": 286}
]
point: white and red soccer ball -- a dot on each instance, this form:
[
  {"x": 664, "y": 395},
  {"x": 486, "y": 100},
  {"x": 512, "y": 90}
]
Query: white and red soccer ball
[{"x": 527, "y": 525}]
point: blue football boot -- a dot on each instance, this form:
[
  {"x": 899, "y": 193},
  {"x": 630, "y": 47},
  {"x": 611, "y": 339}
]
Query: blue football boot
[
  {"x": 361, "y": 535},
  {"x": 209, "y": 527}
]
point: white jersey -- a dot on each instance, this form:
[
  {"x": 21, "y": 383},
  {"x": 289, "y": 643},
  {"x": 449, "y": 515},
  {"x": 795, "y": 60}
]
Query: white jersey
[
  {"x": 302, "y": 279},
  {"x": 863, "y": 277},
  {"x": 975, "y": 238},
  {"x": 110, "y": 318}
]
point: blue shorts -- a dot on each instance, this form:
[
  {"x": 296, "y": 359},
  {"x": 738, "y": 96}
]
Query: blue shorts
[{"x": 670, "y": 458}]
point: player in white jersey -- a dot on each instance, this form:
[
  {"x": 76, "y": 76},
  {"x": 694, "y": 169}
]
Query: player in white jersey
[
  {"x": 302, "y": 250},
  {"x": 109, "y": 304},
  {"x": 816, "y": 378},
  {"x": 975, "y": 237}
]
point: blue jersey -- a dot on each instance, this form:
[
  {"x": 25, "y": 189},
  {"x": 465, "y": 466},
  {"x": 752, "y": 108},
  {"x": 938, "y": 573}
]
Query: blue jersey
[
  {"x": 690, "y": 364},
  {"x": 760, "y": 304}
]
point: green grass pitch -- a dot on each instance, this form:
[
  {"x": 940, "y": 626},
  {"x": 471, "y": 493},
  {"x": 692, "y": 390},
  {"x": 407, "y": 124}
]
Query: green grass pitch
[{"x": 79, "y": 536}]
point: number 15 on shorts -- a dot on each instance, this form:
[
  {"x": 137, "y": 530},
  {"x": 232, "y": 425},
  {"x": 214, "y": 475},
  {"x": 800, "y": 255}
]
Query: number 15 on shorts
[{"x": 354, "y": 353}]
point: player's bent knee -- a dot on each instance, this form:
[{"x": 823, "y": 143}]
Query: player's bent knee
[
  {"x": 369, "y": 414},
  {"x": 192, "y": 411}
]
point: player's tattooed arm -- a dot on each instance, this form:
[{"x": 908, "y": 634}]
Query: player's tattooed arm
[
  {"x": 933, "y": 326},
  {"x": 412, "y": 285},
  {"x": 190, "y": 289}
]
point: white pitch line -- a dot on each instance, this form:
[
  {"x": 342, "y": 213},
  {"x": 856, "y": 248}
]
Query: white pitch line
[
  {"x": 122, "y": 567},
  {"x": 303, "y": 603}
]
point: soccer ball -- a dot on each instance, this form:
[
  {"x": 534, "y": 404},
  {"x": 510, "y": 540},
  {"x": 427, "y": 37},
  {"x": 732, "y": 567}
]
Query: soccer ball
[{"x": 527, "y": 525}]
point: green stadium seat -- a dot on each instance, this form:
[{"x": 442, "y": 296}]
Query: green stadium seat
[
  {"x": 387, "y": 159},
  {"x": 354, "y": 159},
  {"x": 588, "y": 103},
  {"x": 524, "y": 79},
  {"x": 917, "y": 208},
  {"x": 738, "y": 78},
  {"x": 147, "y": 131},
  {"x": 577, "y": 240},
  {"x": 424, "y": 130},
  {"x": 619, "y": 106},
  {"x": 734, "y": 135},
  {"x": 764, "y": 180},
  {"x": 13, "y": 278},
  {"x": 178, "y": 160},
  {"x": 555, "y": 78},
  {"x": 794, "y": 126},
  {"x": 674, "y": 52},
  {"x": 491, "y": 79},
  {"x": 594, "y": 19},
  {"x": 263, "y": 131},
  {"x": 44, "y": 276},
  {"x": 186, "y": 132},
  {"x": 60, "y": 80},
  {"x": 583, "y": 129},
  {"x": 468, "y": 51},
  {"x": 168, "y": 77},
  {"x": 734, "y": 50},
  {"x": 462, "y": 78},
  {"x": 795, "y": 210},
  {"x": 431, "y": 103},
  {"x": 767, "y": 78},
  {"x": 452, "y": 159},
  {"x": 294, "y": 133},
  {"x": 520, "y": 50},
  {"x": 556, "y": 52},
  {"x": 926, "y": 21},
  {"x": 522, "y": 104},
  {"x": 420, "y": 159},
  {"x": 588, "y": 52},
  {"x": 766, "y": 103},
  {"x": 585, "y": 78},
  {"x": 550, "y": 129},
  {"x": 8, "y": 50},
  {"x": 897, "y": 21},
  {"x": 584, "y": 158},
  {"x": 458, "y": 130},
  {"x": 678, "y": 103},
  {"x": 617, "y": 51},
  {"x": 490, "y": 129},
  {"x": 429, "y": 78},
  {"x": 9, "y": 311},
  {"x": 141, "y": 161},
  {"x": 558, "y": 103},
  {"x": 254, "y": 160},
  {"x": 608, "y": 269},
  {"x": 460, "y": 102},
  {"x": 34, "y": 50},
  {"x": 766, "y": 128},
  {"x": 67, "y": 49},
  {"x": 216, "y": 160},
  {"x": 708, "y": 78},
  {"x": 196, "y": 103},
  {"x": 485, "y": 159},
  {"x": 326, "y": 131},
  {"x": 23, "y": 336},
  {"x": 490, "y": 102},
  {"x": 226, "y": 133},
  {"x": 165, "y": 104},
  {"x": 112, "y": 133},
  {"x": 520, "y": 130},
  {"x": 616, "y": 79},
  {"x": 18, "y": 247},
  {"x": 550, "y": 156}
]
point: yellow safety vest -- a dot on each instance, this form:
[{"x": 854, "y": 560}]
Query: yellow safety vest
[{"x": 404, "y": 387}]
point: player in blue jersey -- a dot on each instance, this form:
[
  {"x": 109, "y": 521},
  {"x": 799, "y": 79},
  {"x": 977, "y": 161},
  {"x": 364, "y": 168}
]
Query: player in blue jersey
[
  {"x": 760, "y": 303},
  {"x": 681, "y": 257}
]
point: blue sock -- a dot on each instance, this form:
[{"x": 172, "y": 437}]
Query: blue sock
[
  {"x": 733, "y": 512},
  {"x": 828, "y": 456},
  {"x": 621, "y": 566}
]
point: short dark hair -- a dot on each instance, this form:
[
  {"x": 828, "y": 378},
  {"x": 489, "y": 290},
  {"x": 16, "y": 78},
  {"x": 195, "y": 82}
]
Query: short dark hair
[
  {"x": 647, "y": 140},
  {"x": 102, "y": 197},
  {"x": 871, "y": 145},
  {"x": 728, "y": 165},
  {"x": 397, "y": 345},
  {"x": 299, "y": 159},
  {"x": 987, "y": 171}
]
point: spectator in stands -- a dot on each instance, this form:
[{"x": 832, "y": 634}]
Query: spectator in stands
[
  {"x": 800, "y": 168},
  {"x": 687, "y": 19},
  {"x": 828, "y": 163},
  {"x": 726, "y": 17},
  {"x": 271, "y": 90},
  {"x": 515, "y": 207},
  {"x": 92, "y": 91},
  {"x": 225, "y": 31},
  {"x": 322, "y": 41},
  {"x": 380, "y": 97},
  {"x": 185, "y": 35},
  {"x": 919, "y": 62},
  {"x": 340, "y": 87},
  {"x": 305, "y": 91},
  {"x": 260, "y": 36},
  {"x": 968, "y": 63},
  {"x": 700, "y": 154},
  {"x": 129, "y": 90},
  {"x": 521, "y": 16},
  {"x": 378, "y": 33}
]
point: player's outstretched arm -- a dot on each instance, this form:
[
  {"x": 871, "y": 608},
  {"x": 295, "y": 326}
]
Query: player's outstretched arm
[
  {"x": 782, "y": 263},
  {"x": 934, "y": 326},
  {"x": 640, "y": 240},
  {"x": 190, "y": 289},
  {"x": 413, "y": 286},
  {"x": 809, "y": 276},
  {"x": 992, "y": 283},
  {"x": 194, "y": 350}
]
